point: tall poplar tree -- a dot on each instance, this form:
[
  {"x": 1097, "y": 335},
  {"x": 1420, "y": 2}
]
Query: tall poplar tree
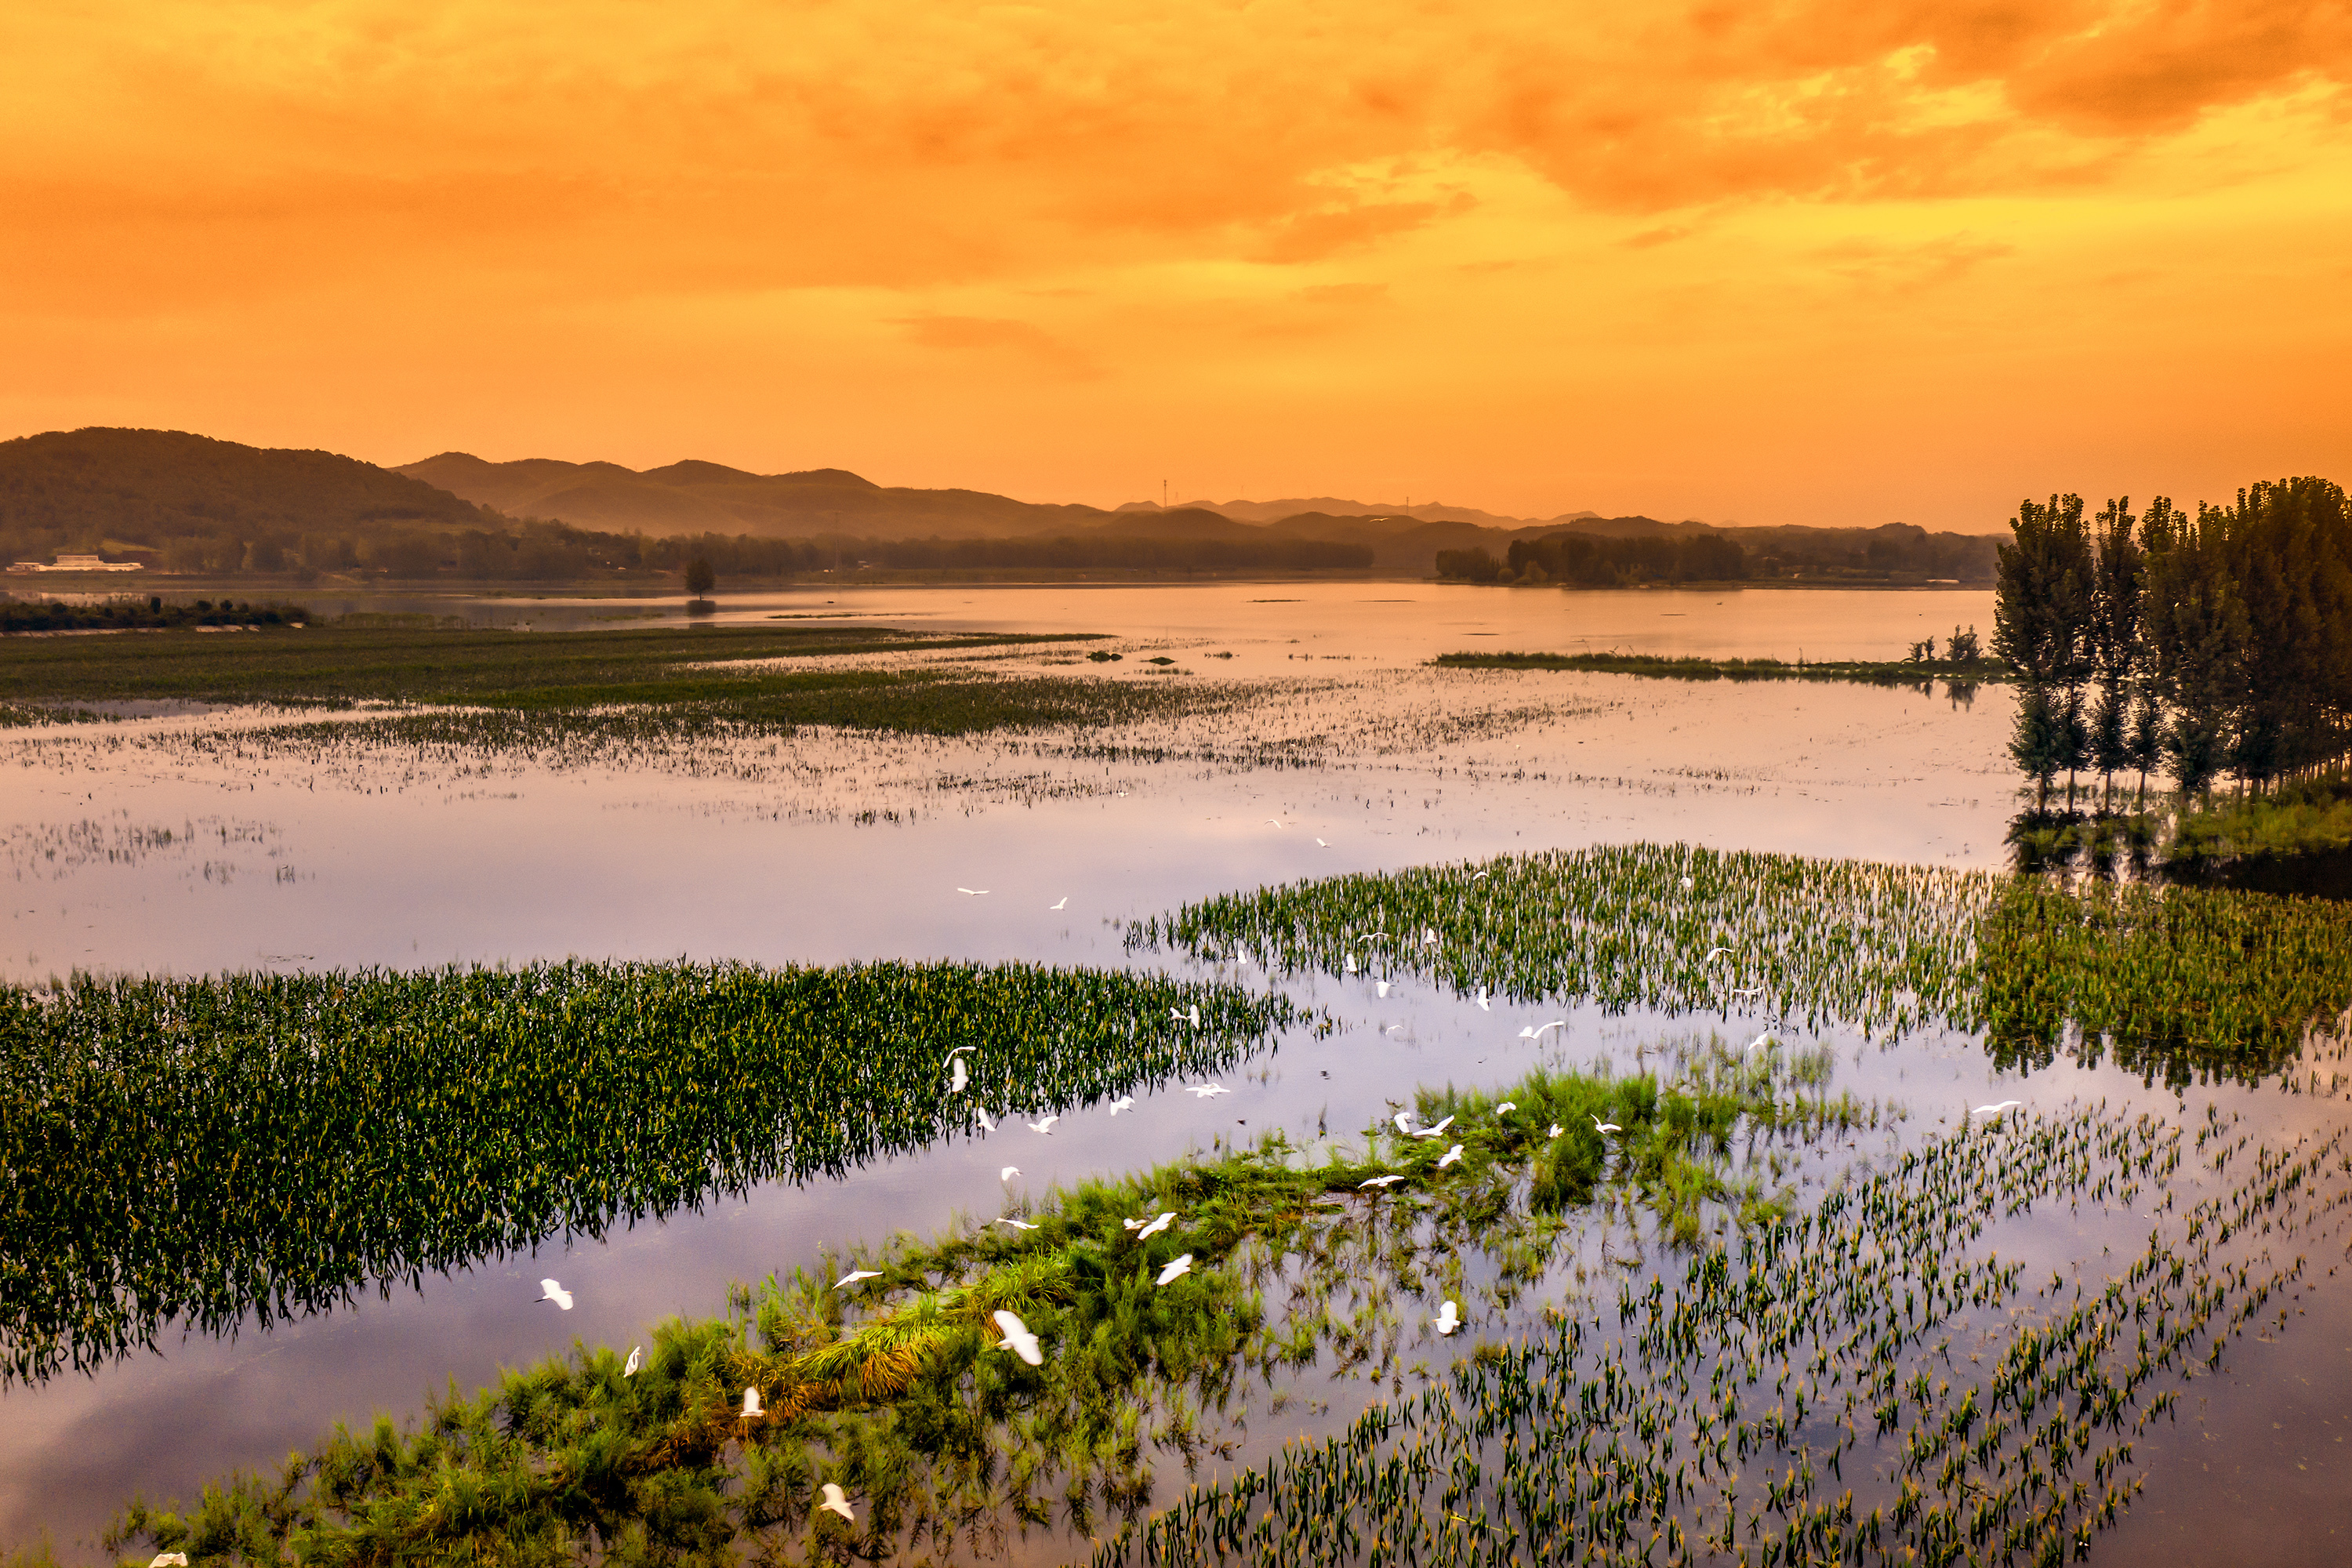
[{"x": 2045, "y": 594}]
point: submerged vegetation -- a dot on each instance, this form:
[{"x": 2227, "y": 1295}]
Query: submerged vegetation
[
  {"x": 1864, "y": 1382},
  {"x": 899, "y": 1387},
  {"x": 2177, "y": 982},
  {"x": 262, "y": 1146}
]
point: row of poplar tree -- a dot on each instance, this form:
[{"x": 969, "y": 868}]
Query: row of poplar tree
[{"x": 2196, "y": 646}]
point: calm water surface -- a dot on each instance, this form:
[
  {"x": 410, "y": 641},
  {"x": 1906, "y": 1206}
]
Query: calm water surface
[{"x": 190, "y": 845}]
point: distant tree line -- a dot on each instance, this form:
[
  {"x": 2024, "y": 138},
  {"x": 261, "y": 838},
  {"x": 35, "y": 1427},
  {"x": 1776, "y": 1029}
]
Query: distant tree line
[
  {"x": 1893, "y": 552},
  {"x": 540, "y": 551},
  {"x": 2202, "y": 646},
  {"x": 1589, "y": 560}
]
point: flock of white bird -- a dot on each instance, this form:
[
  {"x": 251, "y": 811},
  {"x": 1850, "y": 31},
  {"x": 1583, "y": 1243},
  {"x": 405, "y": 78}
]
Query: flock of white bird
[{"x": 1014, "y": 1336}]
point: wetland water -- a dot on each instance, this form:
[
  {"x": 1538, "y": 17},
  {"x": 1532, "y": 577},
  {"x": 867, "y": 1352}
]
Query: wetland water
[{"x": 206, "y": 843}]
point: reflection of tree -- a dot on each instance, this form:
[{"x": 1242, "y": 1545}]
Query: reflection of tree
[{"x": 2181, "y": 983}]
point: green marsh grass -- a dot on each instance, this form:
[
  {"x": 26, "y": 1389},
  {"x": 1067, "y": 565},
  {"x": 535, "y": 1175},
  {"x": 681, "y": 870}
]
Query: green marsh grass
[
  {"x": 202, "y": 1152},
  {"x": 401, "y": 663}
]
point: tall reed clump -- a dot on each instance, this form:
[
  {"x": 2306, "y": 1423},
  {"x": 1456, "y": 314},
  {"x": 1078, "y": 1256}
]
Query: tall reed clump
[{"x": 201, "y": 1151}]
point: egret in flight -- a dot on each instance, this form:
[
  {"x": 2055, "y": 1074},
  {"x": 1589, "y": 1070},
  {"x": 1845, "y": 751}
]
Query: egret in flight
[
  {"x": 1601, "y": 1126},
  {"x": 834, "y": 1502},
  {"x": 1007, "y": 1173},
  {"x": 855, "y": 1275},
  {"x": 1450, "y": 1156},
  {"x": 1176, "y": 1270},
  {"x": 1017, "y": 1337},
  {"x": 1995, "y": 1111},
  {"x": 1532, "y": 1033},
  {"x": 1124, "y": 1102},
  {"x": 1377, "y": 1181},
  {"x": 1015, "y": 1223},
  {"x": 550, "y": 1290},
  {"x": 971, "y": 892},
  {"x": 1433, "y": 1132},
  {"x": 1046, "y": 1126},
  {"x": 1051, "y": 909},
  {"x": 636, "y": 1360},
  {"x": 752, "y": 1405},
  {"x": 1449, "y": 1318},
  {"x": 1206, "y": 1090},
  {"x": 1145, "y": 1231}
]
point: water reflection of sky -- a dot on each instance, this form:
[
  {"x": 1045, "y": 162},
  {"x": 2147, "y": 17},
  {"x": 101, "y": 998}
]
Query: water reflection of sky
[{"x": 824, "y": 848}]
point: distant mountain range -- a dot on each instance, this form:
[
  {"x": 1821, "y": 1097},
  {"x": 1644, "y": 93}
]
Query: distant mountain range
[{"x": 189, "y": 503}]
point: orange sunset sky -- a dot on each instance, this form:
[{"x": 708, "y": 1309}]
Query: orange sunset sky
[{"x": 1835, "y": 262}]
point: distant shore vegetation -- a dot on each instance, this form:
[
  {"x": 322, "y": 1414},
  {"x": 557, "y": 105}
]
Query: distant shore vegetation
[{"x": 1896, "y": 555}]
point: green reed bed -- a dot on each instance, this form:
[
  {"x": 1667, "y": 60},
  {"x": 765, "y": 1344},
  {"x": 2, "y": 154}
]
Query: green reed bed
[
  {"x": 2176, "y": 981},
  {"x": 897, "y": 1390},
  {"x": 1665, "y": 927},
  {"x": 1865, "y": 1383},
  {"x": 1658, "y": 666},
  {"x": 194, "y": 1152}
]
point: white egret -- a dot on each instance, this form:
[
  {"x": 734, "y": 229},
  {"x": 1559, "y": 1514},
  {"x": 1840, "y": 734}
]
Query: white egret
[
  {"x": 1484, "y": 1003},
  {"x": 1601, "y": 1126},
  {"x": 1176, "y": 1269},
  {"x": 551, "y": 1291},
  {"x": 1450, "y": 1156},
  {"x": 1508, "y": 1105},
  {"x": 835, "y": 1501},
  {"x": 1017, "y": 1337},
  {"x": 752, "y": 1405},
  {"x": 1015, "y": 1223},
  {"x": 1167, "y": 1217},
  {"x": 960, "y": 1079},
  {"x": 987, "y": 1123},
  {"x": 1193, "y": 1016},
  {"x": 1007, "y": 1173},
  {"x": 1405, "y": 1123},
  {"x": 1995, "y": 1109},
  {"x": 1533, "y": 1033},
  {"x": 1124, "y": 1102},
  {"x": 178, "y": 1560},
  {"x": 971, "y": 892},
  {"x": 1449, "y": 1318},
  {"x": 1384, "y": 987},
  {"x": 1349, "y": 964},
  {"x": 1379, "y": 1182},
  {"x": 1762, "y": 1040},
  {"x": 1272, "y": 822},
  {"x": 1206, "y": 1090},
  {"x": 1480, "y": 876},
  {"x": 1715, "y": 952},
  {"x": 636, "y": 1360},
  {"x": 1320, "y": 844},
  {"x": 1051, "y": 909},
  {"x": 1046, "y": 1126},
  {"x": 1433, "y": 1132},
  {"x": 855, "y": 1275},
  {"x": 1556, "y": 1130}
]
